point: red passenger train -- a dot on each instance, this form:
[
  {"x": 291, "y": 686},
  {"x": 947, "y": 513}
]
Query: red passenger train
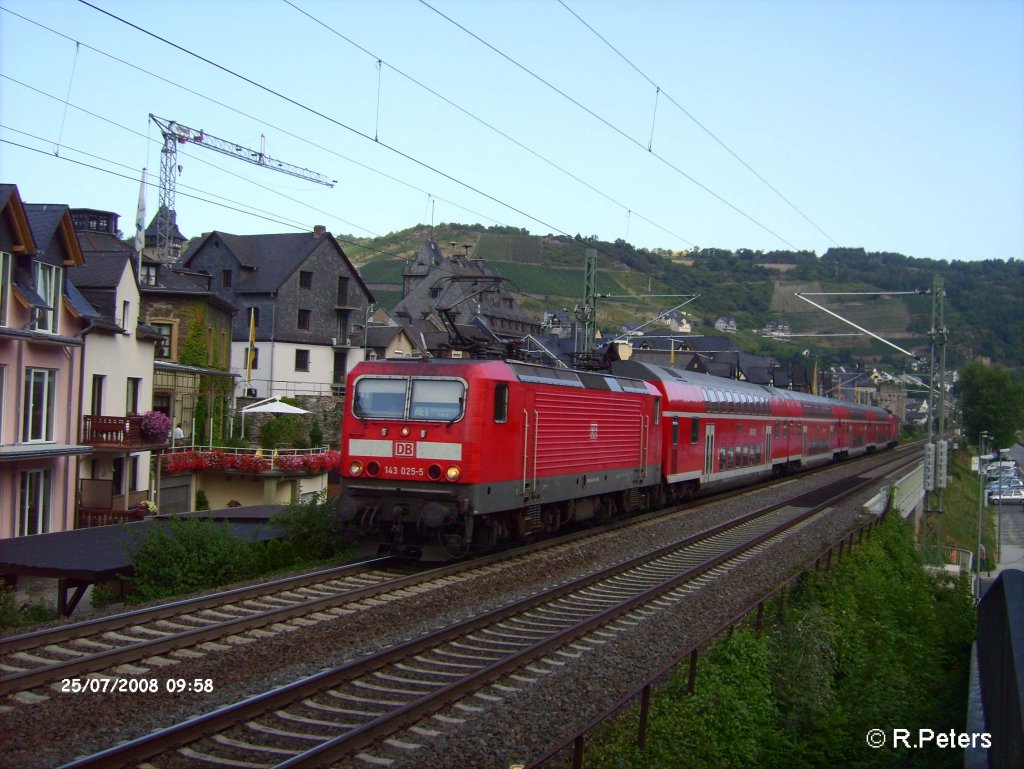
[{"x": 441, "y": 457}]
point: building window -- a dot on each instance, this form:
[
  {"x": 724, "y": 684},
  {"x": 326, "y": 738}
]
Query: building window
[
  {"x": 343, "y": 291},
  {"x": 163, "y": 347},
  {"x": 305, "y": 279},
  {"x": 342, "y": 337},
  {"x": 98, "y": 380},
  {"x": 5, "y": 285},
  {"x": 126, "y": 308},
  {"x": 302, "y": 360},
  {"x": 34, "y": 505},
  {"x": 133, "y": 472},
  {"x": 132, "y": 395},
  {"x": 225, "y": 278},
  {"x": 254, "y": 314},
  {"x": 40, "y": 405},
  {"x": 255, "y": 357},
  {"x": 162, "y": 403},
  {"x": 48, "y": 286},
  {"x": 148, "y": 275},
  {"x": 304, "y": 316}
]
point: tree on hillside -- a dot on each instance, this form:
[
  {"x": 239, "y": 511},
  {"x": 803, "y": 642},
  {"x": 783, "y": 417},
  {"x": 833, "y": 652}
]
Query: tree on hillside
[{"x": 992, "y": 401}]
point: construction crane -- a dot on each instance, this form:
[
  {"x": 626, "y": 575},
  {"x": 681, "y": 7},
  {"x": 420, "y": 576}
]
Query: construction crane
[{"x": 175, "y": 133}]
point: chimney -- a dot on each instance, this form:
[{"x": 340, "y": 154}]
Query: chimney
[{"x": 319, "y": 230}]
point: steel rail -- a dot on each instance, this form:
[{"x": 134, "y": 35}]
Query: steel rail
[
  {"x": 15, "y": 643},
  {"x": 576, "y": 737},
  {"x": 189, "y": 731}
]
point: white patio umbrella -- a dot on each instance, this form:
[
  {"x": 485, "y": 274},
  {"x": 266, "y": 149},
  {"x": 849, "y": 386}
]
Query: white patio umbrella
[
  {"x": 273, "y": 406},
  {"x": 270, "y": 406}
]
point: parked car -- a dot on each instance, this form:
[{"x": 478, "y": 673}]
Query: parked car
[
  {"x": 1007, "y": 497},
  {"x": 1006, "y": 483}
]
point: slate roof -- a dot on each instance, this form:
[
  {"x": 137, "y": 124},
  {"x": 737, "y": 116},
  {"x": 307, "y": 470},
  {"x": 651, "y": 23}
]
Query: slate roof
[
  {"x": 754, "y": 368},
  {"x": 44, "y": 219},
  {"x": 84, "y": 308},
  {"x": 687, "y": 361},
  {"x": 101, "y": 269},
  {"x": 151, "y": 229},
  {"x": 455, "y": 280},
  {"x": 101, "y": 243},
  {"x": 707, "y": 343},
  {"x": 269, "y": 260},
  {"x": 6, "y": 191}
]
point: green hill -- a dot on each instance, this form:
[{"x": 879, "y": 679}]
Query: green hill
[{"x": 984, "y": 310}]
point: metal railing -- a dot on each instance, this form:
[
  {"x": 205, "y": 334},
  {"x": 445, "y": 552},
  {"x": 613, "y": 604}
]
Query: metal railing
[
  {"x": 1001, "y": 668},
  {"x": 209, "y": 458}
]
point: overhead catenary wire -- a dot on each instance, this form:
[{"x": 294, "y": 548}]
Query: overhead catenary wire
[
  {"x": 696, "y": 122},
  {"x": 334, "y": 121},
  {"x": 481, "y": 121},
  {"x": 310, "y": 109},
  {"x": 242, "y": 113},
  {"x": 604, "y": 121}
]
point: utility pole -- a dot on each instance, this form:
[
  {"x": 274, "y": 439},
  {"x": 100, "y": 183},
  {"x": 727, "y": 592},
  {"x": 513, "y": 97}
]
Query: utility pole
[
  {"x": 936, "y": 448},
  {"x": 175, "y": 133},
  {"x": 586, "y": 314}
]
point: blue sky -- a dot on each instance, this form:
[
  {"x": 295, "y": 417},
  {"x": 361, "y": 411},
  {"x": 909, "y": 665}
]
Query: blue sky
[{"x": 895, "y": 126}]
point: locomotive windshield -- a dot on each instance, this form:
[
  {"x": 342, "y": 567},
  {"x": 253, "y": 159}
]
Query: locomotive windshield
[{"x": 428, "y": 399}]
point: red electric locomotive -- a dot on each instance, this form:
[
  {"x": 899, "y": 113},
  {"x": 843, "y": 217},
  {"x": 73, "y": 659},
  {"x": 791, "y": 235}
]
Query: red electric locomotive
[{"x": 442, "y": 456}]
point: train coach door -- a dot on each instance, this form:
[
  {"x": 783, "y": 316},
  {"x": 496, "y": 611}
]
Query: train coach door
[
  {"x": 768, "y": 445},
  {"x": 709, "y": 453}
]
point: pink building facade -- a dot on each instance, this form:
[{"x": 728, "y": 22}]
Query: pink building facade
[{"x": 41, "y": 354}]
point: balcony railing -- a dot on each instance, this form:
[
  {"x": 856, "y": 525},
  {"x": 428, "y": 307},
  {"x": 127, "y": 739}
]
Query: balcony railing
[
  {"x": 123, "y": 433},
  {"x": 251, "y": 461}
]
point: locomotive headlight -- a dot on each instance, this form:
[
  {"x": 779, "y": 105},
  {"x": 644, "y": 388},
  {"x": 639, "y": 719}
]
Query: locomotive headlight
[
  {"x": 453, "y": 473},
  {"x": 355, "y": 467},
  {"x": 406, "y": 431}
]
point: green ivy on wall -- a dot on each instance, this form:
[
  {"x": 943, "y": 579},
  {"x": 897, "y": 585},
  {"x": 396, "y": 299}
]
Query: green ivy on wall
[{"x": 193, "y": 350}]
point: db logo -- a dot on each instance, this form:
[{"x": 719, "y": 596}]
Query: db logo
[{"x": 405, "y": 449}]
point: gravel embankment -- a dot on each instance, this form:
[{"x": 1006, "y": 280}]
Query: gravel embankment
[{"x": 55, "y": 730}]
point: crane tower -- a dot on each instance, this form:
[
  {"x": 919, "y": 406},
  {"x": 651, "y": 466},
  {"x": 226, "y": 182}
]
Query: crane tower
[{"x": 175, "y": 133}]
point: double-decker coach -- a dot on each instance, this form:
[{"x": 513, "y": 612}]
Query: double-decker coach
[{"x": 721, "y": 432}]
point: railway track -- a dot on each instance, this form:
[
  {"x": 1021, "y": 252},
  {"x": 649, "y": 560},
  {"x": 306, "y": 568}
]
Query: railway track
[
  {"x": 356, "y": 707},
  {"x": 72, "y": 650},
  {"x": 131, "y": 643}
]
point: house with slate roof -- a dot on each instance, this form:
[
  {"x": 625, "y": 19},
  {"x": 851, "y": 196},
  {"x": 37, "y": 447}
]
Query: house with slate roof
[
  {"x": 306, "y": 301},
  {"x": 463, "y": 288},
  {"x": 174, "y": 246},
  {"x": 40, "y": 366}
]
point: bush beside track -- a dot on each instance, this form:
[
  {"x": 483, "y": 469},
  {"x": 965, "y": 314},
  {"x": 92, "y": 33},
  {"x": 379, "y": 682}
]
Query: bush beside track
[{"x": 877, "y": 642}]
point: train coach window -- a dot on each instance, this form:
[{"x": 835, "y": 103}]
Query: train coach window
[
  {"x": 440, "y": 400},
  {"x": 675, "y": 431},
  {"x": 694, "y": 431},
  {"x": 501, "y": 403},
  {"x": 712, "y": 401},
  {"x": 707, "y": 400}
]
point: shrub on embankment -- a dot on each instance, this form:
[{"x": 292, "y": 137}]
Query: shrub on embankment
[
  {"x": 875, "y": 643},
  {"x": 190, "y": 554}
]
